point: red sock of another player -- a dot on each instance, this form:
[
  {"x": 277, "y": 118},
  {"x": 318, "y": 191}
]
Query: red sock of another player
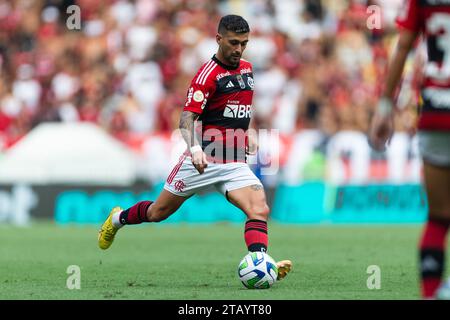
[
  {"x": 432, "y": 256},
  {"x": 136, "y": 214},
  {"x": 256, "y": 235}
]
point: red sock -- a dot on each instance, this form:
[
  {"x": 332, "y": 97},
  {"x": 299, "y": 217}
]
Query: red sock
[
  {"x": 256, "y": 235},
  {"x": 432, "y": 257},
  {"x": 136, "y": 214}
]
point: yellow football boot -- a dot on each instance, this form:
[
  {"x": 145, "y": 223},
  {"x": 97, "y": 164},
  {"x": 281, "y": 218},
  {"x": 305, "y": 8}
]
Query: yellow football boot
[
  {"x": 284, "y": 267},
  {"x": 108, "y": 231}
]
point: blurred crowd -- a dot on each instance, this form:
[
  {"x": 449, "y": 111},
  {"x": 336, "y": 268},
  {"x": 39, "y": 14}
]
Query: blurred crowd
[{"x": 128, "y": 64}]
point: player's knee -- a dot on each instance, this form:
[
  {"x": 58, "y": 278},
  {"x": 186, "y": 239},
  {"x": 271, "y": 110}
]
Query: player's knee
[{"x": 259, "y": 212}]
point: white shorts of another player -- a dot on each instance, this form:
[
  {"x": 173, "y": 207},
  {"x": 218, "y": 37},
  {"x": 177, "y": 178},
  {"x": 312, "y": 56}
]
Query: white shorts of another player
[
  {"x": 184, "y": 180},
  {"x": 434, "y": 147}
]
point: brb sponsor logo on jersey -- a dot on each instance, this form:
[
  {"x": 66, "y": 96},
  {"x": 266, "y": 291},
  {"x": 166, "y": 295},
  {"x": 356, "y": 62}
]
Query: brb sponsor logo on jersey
[{"x": 235, "y": 110}]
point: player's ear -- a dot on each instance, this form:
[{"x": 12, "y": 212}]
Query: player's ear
[{"x": 218, "y": 38}]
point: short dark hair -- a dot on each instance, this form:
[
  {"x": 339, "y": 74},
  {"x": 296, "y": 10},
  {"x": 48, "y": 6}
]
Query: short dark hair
[{"x": 234, "y": 23}]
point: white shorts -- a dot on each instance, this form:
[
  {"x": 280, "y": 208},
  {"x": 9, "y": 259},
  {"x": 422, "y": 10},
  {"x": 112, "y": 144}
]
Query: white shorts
[
  {"x": 184, "y": 180},
  {"x": 434, "y": 147}
]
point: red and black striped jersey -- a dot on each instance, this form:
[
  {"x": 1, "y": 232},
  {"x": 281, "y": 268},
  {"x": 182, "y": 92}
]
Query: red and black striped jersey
[
  {"x": 222, "y": 96},
  {"x": 432, "y": 19}
]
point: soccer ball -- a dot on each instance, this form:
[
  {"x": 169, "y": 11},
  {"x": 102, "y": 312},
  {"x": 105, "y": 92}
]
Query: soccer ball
[{"x": 257, "y": 270}]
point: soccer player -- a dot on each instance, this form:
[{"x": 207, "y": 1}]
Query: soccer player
[
  {"x": 430, "y": 18},
  {"x": 215, "y": 125}
]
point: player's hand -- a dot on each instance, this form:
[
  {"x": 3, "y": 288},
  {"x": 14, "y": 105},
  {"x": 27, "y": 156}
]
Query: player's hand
[
  {"x": 381, "y": 131},
  {"x": 252, "y": 146},
  {"x": 199, "y": 161}
]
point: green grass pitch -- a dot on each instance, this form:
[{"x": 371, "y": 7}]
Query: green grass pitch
[{"x": 168, "y": 261}]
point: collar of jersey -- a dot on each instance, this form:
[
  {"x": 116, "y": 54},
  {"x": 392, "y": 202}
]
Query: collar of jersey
[{"x": 224, "y": 65}]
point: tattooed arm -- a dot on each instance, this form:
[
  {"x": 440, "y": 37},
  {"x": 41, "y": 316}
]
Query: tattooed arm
[
  {"x": 186, "y": 126},
  {"x": 187, "y": 129}
]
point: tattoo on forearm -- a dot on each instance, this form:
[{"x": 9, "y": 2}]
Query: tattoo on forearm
[
  {"x": 187, "y": 120},
  {"x": 256, "y": 187}
]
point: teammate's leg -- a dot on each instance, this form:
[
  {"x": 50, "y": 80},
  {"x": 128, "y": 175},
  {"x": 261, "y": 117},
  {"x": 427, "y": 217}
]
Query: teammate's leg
[
  {"x": 252, "y": 201},
  {"x": 432, "y": 243},
  {"x": 143, "y": 211}
]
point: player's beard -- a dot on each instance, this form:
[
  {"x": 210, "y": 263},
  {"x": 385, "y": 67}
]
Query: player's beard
[{"x": 234, "y": 60}]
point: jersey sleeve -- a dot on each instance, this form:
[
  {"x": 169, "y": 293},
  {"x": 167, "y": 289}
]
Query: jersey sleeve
[
  {"x": 408, "y": 17},
  {"x": 200, "y": 90}
]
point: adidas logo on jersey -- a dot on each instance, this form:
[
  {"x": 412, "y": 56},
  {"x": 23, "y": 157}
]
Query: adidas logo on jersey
[
  {"x": 230, "y": 85},
  {"x": 237, "y": 111}
]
